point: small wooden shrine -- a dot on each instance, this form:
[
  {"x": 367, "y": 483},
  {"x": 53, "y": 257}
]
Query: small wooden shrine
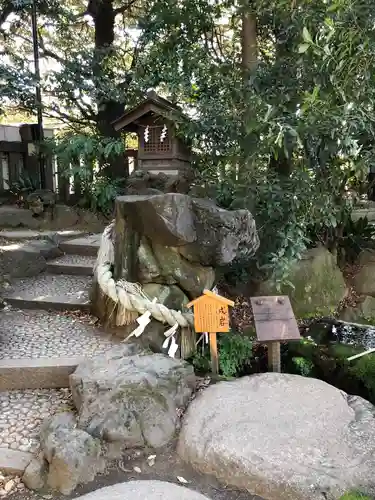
[{"x": 155, "y": 122}]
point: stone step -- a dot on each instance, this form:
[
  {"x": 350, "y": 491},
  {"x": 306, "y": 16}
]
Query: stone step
[
  {"x": 34, "y": 334},
  {"x": 41, "y": 349},
  {"x": 48, "y": 291},
  {"x": 41, "y": 373},
  {"x": 29, "y": 235},
  {"x": 88, "y": 245},
  {"x": 79, "y": 265}
]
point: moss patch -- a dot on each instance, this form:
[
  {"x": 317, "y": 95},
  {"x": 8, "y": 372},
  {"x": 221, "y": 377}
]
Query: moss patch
[
  {"x": 355, "y": 496},
  {"x": 319, "y": 285}
]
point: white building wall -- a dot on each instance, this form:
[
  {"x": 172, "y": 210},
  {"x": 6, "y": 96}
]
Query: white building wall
[{"x": 11, "y": 133}]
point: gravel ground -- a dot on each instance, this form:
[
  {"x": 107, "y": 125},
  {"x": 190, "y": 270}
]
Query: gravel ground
[
  {"x": 39, "y": 334},
  {"x": 71, "y": 288}
]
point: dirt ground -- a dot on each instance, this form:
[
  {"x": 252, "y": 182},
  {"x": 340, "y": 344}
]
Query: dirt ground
[{"x": 167, "y": 467}]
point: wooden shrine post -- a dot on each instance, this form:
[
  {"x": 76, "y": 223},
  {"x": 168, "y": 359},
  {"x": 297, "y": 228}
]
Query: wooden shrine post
[
  {"x": 274, "y": 323},
  {"x": 211, "y": 315}
]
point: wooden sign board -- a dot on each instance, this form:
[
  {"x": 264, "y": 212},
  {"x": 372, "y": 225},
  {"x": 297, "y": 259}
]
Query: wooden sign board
[
  {"x": 211, "y": 315},
  {"x": 274, "y": 319}
]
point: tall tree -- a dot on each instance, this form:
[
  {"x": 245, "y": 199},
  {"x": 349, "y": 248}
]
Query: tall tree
[{"x": 89, "y": 55}]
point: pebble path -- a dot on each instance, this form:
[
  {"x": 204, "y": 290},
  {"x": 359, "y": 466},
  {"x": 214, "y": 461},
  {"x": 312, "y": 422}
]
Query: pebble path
[
  {"x": 40, "y": 334},
  {"x": 22, "y": 412}
]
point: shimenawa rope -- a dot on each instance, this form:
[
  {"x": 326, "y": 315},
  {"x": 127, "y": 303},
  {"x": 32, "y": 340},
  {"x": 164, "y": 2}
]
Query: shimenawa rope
[{"x": 130, "y": 297}]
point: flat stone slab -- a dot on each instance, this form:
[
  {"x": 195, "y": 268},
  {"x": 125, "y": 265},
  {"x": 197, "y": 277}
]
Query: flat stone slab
[
  {"x": 14, "y": 461},
  {"x": 50, "y": 292},
  {"x": 88, "y": 245},
  {"x": 33, "y": 334},
  {"x": 78, "y": 265},
  {"x": 283, "y": 437},
  {"x": 144, "y": 490},
  {"x": 13, "y": 217},
  {"x": 29, "y": 234},
  {"x": 41, "y": 373}
]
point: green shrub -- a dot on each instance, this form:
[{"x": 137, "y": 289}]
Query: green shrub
[
  {"x": 303, "y": 366},
  {"x": 356, "y": 236},
  {"x": 235, "y": 354},
  {"x": 364, "y": 370}
]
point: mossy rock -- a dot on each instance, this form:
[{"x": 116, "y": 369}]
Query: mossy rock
[
  {"x": 319, "y": 285},
  {"x": 364, "y": 312},
  {"x": 364, "y": 280}
]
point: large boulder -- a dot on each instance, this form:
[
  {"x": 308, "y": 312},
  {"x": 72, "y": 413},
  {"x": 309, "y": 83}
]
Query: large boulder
[
  {"x": 160, "y": 264},
  {"x": 364, "y": 280},
  {"x": 23, "y": 260},
  {"x": 283, "y": 437},
  {"x": 363, "y": 312},
  {"x": 319, "y": 284},
  {"x": 142, "y": 490},
  {"x": 129, "y": 396},
  {"x": 73, "y": 456},
  {"x": 171, "y": 296},
  {"x": 202, "y": 231}
]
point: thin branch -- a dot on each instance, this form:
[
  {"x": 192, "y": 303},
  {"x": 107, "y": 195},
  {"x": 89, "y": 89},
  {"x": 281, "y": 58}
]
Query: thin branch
[
  {"x": 124, "y": 8},
  {"x": 47, "y": 52},
  {"x": 65, "y": 117}
]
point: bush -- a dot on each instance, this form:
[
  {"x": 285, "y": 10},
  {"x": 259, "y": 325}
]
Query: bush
[
  {"x": 235, "y": 354},
  {"x": 364, "y": 371}
]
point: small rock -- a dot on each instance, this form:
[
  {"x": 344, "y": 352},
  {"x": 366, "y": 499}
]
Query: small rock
[
  {"x": 35, "y": 474},
  {"x": 9, "y": 485},
  {"x": 182, "y": 480},
  {"x": 73, "y": 455}
]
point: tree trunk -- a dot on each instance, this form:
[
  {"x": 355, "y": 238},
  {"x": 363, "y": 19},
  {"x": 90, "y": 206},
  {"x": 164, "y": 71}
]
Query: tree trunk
[
  {"x": 103, "y": 14},
  {"x": 249, "y": 62},
  {"x": 249, "y": 43}
]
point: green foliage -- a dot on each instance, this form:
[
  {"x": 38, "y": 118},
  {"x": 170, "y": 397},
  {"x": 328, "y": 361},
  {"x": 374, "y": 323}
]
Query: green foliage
[
  {"x": 348, "y": 237},
  {"x": 85, "y": 159},
  {"x": 303, "y": 366},
  {"x": 235, "y": 354},
  {"x": 327, "y": 359},
  {"x": 364, "y": 370},
  {"x": 25, "y": 185},
  {"x": 103, "y": 194},
  {"x": 284, "y": 138},
  {"x": 353, "y": 495},
  {"x": 356, "y": 236}
]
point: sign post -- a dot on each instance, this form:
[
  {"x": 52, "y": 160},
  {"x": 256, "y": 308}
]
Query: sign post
[
  {"x": 211, "y": 315},
  {"x": 274, "y": 323}
]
